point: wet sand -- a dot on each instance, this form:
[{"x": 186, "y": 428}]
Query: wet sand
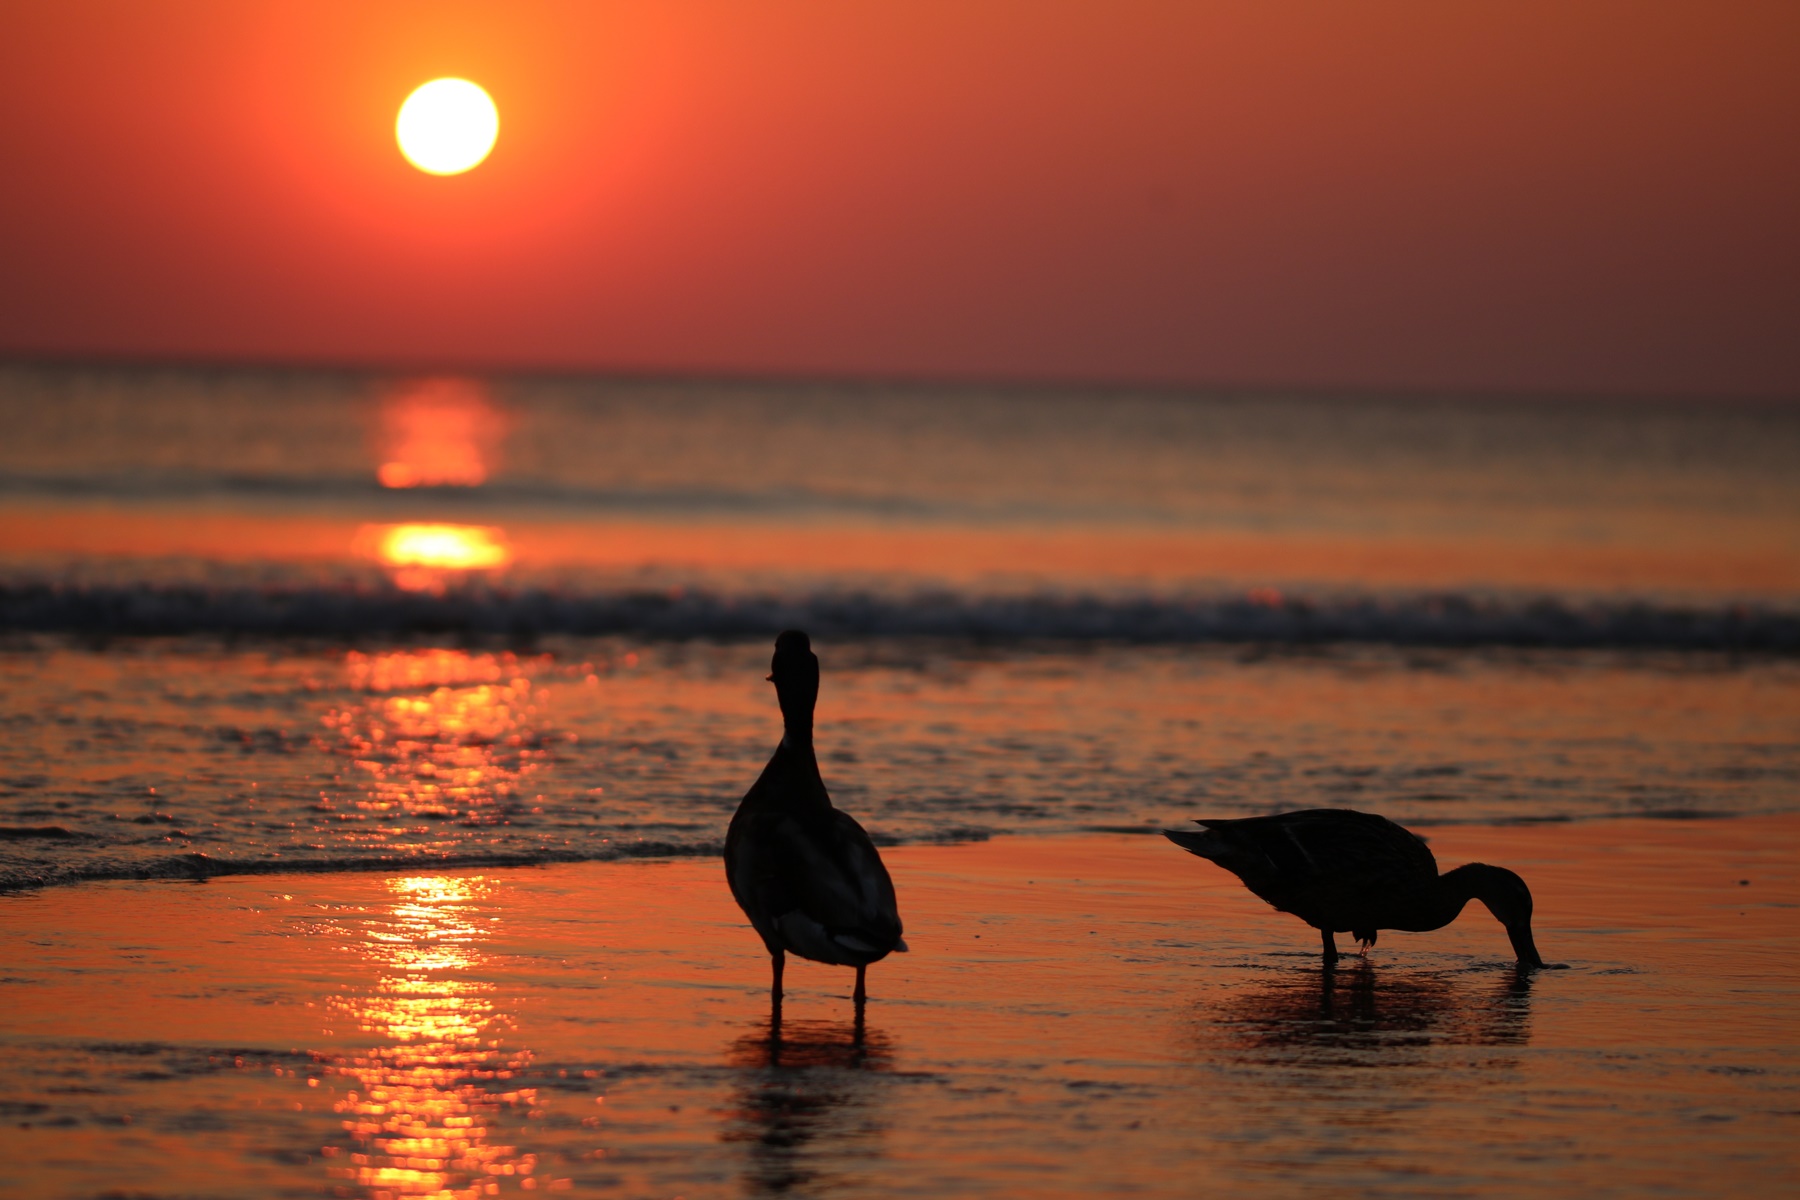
[{"x": 1079, "y": 1015}]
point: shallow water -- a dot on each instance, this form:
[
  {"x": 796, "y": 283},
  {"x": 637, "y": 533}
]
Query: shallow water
[
  {"x": 139, "y": 757},
  {"x": 1077, "y": 1015}
]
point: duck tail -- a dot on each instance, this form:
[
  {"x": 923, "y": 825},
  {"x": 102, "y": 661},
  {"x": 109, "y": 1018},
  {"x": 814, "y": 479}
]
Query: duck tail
[{"x": 1205, "y": 844}]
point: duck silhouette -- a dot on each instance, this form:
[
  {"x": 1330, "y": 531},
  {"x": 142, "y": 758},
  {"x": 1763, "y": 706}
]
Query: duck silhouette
[
  {"x": 1343, "y": 871},
  {"x": 805, "y": 873}
]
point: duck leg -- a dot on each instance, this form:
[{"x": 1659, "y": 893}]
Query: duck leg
[
  {"x": 1331, "y": 954},
  {"x": 777, "y": 960},
  {"x": 861, "y": 993}
]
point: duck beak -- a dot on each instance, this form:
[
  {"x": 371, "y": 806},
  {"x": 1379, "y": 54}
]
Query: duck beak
[{"x": 1523, "y": 946}]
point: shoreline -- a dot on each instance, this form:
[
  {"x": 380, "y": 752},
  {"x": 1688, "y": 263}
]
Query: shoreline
[{"x": 200, "y": 867}]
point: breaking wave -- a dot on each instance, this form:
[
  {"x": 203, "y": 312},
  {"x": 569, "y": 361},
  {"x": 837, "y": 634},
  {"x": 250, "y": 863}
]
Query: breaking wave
[{"x": 1438, "y": 619}]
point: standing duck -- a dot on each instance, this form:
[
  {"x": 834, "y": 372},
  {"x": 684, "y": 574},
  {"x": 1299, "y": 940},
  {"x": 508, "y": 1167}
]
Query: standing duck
[
  {"x": 805, "y": 873},
  {"x": 1353, "y": 872}
]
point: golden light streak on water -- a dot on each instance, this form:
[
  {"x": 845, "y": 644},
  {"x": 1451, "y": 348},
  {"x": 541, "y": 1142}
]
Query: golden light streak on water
[
  {"x": 446, "y": 736},
  {"x": 424, "y": 1097}
]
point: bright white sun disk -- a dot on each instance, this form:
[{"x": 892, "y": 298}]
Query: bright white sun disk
[{"x": 447, "y": 126}]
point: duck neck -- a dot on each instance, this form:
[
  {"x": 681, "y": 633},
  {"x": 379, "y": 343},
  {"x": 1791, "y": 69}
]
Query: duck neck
[
  {"x": 796, "y": 766},
  {"x": 798, "y": 693},
  {"x": 797, "y": 721},
  {"x": 1453, "y": 892}
]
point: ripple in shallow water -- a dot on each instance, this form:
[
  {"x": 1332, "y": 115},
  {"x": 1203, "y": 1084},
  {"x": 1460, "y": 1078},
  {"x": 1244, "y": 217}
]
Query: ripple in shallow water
[{"x": 189, "y": 758}]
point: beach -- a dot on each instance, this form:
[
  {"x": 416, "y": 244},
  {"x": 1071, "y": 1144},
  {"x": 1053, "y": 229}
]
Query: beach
[
  {"x": 1077, "y": 1015},
  {"x": 370, "y": 742}
]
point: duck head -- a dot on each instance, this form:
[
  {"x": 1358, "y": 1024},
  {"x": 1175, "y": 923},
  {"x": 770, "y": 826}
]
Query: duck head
[
  {"x": 1507, "y": 897},
  {"x": 795, "y": 674}
]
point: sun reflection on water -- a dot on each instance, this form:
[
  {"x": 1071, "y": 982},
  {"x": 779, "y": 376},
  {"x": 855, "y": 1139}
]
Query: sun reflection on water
[
  {"x": 426, "y": 1096},
  {"x": 438, "y": 433},
  {"x": 442, "y": 735},
  {"x": 448, "y": 547},
  {"x": 423, "y": 557}
]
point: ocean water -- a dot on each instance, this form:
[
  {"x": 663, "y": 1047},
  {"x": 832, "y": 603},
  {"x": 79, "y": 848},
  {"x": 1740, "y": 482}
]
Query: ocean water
[
  {"x": 260, "y": 620},
  {"x": 388, "y": 726}
]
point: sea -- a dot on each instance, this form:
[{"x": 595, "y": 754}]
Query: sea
[{"x": 259, "y": 620}]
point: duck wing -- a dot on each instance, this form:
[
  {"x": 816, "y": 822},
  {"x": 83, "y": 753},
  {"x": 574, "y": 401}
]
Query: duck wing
[{"x": 1329, "y": 866}]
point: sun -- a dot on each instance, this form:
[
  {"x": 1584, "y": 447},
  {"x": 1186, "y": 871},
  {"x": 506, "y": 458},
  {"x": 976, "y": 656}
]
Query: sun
[{"x": 447, "y": 126}]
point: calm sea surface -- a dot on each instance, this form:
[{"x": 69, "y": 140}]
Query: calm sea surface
[{"x": 260, "y": 619}]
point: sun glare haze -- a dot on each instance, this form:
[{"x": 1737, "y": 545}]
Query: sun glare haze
[
  {"x": 447, "y": 126},
  {"x": 888, "y": 602}
]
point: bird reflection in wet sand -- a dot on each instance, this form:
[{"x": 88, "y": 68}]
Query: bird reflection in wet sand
[
  {"x": 1344, "y": 1015},
  {"x": 807, "y": 1104}
]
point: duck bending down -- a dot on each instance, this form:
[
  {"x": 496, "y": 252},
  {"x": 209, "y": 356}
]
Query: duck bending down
[
  {"x": 805, "y": 873},
  {"x": 1343, "y": 871}
]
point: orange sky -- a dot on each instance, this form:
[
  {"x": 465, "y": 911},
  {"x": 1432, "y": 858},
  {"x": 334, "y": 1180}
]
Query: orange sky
[{"x": 1515, "y": 194}]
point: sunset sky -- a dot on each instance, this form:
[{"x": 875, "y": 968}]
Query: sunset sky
[{"x": 1511, "y": 195}]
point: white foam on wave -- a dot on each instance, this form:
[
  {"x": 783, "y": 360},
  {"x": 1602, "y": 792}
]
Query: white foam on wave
[{"x": 1435, "y": 619}]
